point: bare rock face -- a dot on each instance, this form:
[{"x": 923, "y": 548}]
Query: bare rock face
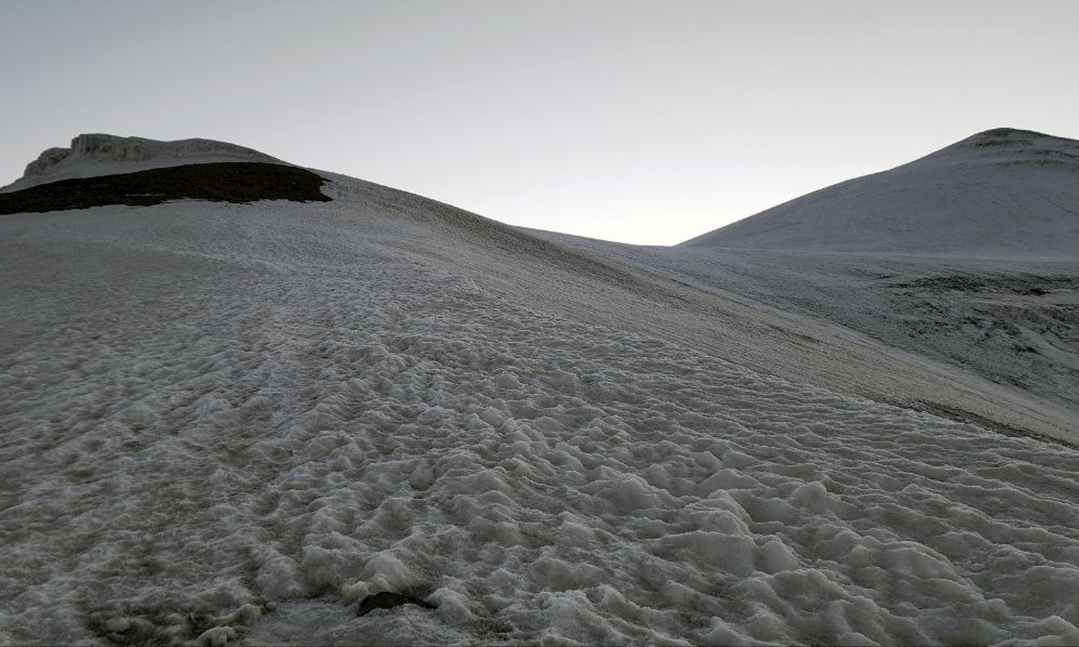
[
  {"x": 237, "y": 182},
  {"x": 47, "y": 159},
  {"x": 128, "y": 149}
]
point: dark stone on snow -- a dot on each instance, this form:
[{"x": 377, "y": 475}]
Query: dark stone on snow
[
  {"x": 219, "y": 182},
  {"x": 387, "y": 600}
]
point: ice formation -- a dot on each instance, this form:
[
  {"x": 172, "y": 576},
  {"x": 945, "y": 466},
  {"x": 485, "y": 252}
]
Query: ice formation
[{"x": 247, "y": 424}]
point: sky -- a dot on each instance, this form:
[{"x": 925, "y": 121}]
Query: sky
[{"x": 640, "y": 122}]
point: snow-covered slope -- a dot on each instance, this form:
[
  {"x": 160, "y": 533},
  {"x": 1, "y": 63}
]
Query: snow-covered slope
[
  {"x": 100, "y": 154},
  {"x": 1003, "y": 192},
  {"x": 237, "y": 423}
]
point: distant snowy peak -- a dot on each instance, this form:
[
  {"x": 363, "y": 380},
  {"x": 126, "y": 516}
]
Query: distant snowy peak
[
  {"x": 1002, "y": 192},
  {"x": 1010, "y": 145},
  {"x": 101, "y": 154}
]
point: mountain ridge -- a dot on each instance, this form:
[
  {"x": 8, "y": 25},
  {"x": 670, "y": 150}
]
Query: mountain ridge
[
  {"x": 98, "y": 154},
  {"x": 1003, "y": 192}
]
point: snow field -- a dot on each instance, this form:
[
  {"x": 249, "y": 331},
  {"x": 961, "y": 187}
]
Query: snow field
[
  {"x": 1005, "y": 330},
  {"x": 206, "y": 444}
]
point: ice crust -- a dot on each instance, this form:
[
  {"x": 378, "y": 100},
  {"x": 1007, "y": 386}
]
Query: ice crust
[{"x": 230, "y": 424}]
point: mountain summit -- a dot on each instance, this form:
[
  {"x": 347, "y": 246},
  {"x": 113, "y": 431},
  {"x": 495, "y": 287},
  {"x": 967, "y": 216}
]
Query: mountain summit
[
  {"x": 93, "y": 155},
  {"x": 1002, "y": 192},
  {"x": 100, "y": 170}
]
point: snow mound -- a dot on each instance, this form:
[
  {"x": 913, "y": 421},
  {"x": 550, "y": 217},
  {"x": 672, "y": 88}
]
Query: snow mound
[
  {"x": 999, "y": 193},
  {"x": 100, "y": 154}
]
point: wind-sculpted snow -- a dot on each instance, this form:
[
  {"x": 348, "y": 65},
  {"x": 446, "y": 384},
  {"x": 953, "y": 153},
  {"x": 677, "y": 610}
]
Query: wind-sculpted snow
[{"x": 212, "y": 434}]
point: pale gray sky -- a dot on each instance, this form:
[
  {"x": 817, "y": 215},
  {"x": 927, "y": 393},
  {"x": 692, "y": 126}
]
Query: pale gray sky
[{"x": 644, "y": 122}]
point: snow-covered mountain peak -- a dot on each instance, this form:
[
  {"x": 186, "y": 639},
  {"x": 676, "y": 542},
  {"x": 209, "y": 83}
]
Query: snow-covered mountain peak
[
  {"x": 97, "y": 154},
  {"x": 1011, "y": 137},
  {"x": 1010, "y": 145},
  {"x": 998, "y": 193}
]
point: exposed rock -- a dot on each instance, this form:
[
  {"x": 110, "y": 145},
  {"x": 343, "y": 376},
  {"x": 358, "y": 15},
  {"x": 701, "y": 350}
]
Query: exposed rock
[
  {"x": 222, "y": 182},
  {"x": 100, "y": 154},
  {"x": 388, "y": 600}
]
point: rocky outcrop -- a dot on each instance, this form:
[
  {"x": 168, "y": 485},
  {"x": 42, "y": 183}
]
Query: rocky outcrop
[
  {"x": 218, "y": 182},
  {"x": 102, "y": 154},
  {"x": 47, "y": 159}
]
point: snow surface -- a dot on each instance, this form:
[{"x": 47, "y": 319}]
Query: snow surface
[
  {"x": 232, "y": 423},
  {"x": 994, "y": 340},
  {"x": 1003, "y": 192}
]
